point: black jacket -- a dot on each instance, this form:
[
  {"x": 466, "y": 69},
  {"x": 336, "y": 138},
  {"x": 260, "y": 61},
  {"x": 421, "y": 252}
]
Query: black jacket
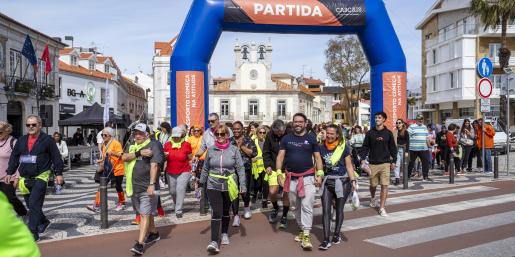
[
  {"x": 379, "y": 146},
  {"x": 47, "y": 154},
  {"x": 271, "y": 149}
]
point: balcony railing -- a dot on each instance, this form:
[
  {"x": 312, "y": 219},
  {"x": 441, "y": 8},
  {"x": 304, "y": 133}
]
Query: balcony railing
[
  {"x": 27, "y": 87},
  {"x": 282, "y": 116},
  {"x": 253, "y": 116},
  {"x": 469, "y": 28},
  {"x": 227, "y": 117}
]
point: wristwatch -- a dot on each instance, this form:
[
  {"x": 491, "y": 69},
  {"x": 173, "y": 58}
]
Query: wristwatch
[{"x": 151, "y": 184}]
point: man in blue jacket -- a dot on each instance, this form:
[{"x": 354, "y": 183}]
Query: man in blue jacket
[{"x": 33, "y": 156}]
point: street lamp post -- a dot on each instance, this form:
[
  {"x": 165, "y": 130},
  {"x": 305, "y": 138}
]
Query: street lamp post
[{"x": 509, "y": 72}]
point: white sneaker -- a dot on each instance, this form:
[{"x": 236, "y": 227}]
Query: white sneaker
[
  {"x": 120, "y": 207},
  {"x": 225, "y": 239},
  {"x": 236, "y": 222},
  {"x": 373, "y": 203},
  {"x": 213, "y": 247},
  {"x": 247, "y": 213},
  {"x": 383, "y": 212}
]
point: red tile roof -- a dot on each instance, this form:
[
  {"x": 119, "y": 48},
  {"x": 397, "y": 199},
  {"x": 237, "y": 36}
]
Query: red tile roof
[
  {"x": 282, "y": 75},
  {"x": 85, "y": 55},
  {"x": 338, "y": 107},
  {"x": 66, "y": 51},
  {"x": 312, "y": 81},
  {"x": 103, "y": 59},
  {"x": 83, "y": 71},
  {"x": 165, "y": 48}
]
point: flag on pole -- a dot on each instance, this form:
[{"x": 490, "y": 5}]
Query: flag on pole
[
  {"x": 29, "y": 53},
  {"x": 107, "y": 101},
  {"x": 46, "y": 58}
]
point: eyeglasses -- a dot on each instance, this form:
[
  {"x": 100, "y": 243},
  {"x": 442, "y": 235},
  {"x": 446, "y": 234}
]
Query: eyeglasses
[
  {"x": 211, "y": 121},
  {"x": 105, "y": 135},
  {"x": 28, "y": 125},
  {"x": 399, "y": 123},
  {"x": 262, "y": 132},
  {"x": 220, "y": 134}
]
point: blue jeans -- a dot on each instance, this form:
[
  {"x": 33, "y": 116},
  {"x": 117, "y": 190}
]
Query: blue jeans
[{"x": 488, "y": 160}]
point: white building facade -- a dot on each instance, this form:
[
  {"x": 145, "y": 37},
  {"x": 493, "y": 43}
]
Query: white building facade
[{"x": 161, "y": 72}]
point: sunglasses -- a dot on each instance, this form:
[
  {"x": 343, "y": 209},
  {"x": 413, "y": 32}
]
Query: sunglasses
[
  {"x": 262, "y": 132},
  {"x": 220, "y": 134},
  {"x": 211, "y": 121},
  {"x": 196, "y": 130},
  {"x": 28, "y": 125},
  {"x": 105, "y": 135},
  {"x": 399, "y": 123}
]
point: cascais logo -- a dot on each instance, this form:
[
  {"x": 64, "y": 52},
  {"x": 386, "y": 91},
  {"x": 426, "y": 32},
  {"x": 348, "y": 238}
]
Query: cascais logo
[{"x": 287, "y": 10}]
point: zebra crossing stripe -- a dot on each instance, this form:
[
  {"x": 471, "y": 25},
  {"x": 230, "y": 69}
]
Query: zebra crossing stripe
[
  {"x": 424, "y": 235},
  {"x": 372, "y": 221},
  {"x": 500, "y": 248}
]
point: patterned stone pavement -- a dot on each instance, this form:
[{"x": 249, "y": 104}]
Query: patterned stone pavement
[{"x": 70, "y": 218}]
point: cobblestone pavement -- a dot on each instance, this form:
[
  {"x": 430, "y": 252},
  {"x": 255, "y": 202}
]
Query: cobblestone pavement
[{"x": 70, "y": 218}]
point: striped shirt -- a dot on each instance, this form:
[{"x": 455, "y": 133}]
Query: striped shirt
[{"x": 418, "y": 137}]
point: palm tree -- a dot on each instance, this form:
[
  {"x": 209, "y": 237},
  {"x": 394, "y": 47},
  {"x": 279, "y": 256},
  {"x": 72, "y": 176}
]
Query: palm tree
[{"x": 493, "y": 13}]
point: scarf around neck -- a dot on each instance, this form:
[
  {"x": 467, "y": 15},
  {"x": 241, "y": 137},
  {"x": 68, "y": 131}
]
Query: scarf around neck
[{"x": 223, "y": 146}]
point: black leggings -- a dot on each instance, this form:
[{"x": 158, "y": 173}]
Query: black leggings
[
  {"x": 260, "y": 185},
  {"x": 220, "y": 205},
  {"x": 328, "y": 196},
  {"x": 246, "y": 196},
  {"x": 118, "y": 180},
  {"x": 10, "y": 193}
]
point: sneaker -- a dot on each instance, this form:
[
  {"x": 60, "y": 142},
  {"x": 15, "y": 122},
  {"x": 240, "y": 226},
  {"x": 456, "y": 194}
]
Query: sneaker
[
  {"x": 225, "y": 239},
  {"x": 373, "y": 203},
  {"x": 429, "y": 180},
  {"x": 336, "y": 240},
  {"x": 397, "y": 181},
  {"x": 137, "y": 249},
  {"x": 272, "y": 218},
  {"x": 152, "y": 238},
  {"x": 264, "y": 204},
  {"x": 299, "y": 236},
  {"x": 283, "y": 224},
  {"x": 179, "y": 215},
  {"x": 246, "y": 213},
  {"x": 160, "y": 212},
  {"x": 236, "y": 221},
  {"x": 383, "y": 212},
  {"x": 213, "y": 247},
  {"x": 306, "y": 243},
  {"x": 324, "y": 245},
  {"x": 136, "y": 220},
  {"x": 94, "y": 208},
  {"x": 36, "y": 238},
  {"x": 43, "y": 227},
  {"x": 120, "y": 207}
]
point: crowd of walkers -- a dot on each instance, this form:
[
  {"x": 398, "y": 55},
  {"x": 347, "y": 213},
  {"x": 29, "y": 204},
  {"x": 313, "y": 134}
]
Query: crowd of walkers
[{"x": 286, "y": 163}]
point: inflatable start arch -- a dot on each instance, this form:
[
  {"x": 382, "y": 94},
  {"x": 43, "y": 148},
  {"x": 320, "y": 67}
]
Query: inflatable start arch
[{"x": 207, "y": 19}]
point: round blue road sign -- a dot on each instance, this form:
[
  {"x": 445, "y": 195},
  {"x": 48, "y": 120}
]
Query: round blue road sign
[{"x": 485, "y": 67}]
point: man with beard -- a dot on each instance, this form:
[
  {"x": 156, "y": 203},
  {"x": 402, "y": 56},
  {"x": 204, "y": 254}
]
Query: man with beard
[
  {"x": 248, "y": 151},
  {"x": 298, "y": 150}
]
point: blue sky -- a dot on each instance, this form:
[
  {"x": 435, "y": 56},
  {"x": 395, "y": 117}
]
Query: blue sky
[{"x": 127, "y": 30}]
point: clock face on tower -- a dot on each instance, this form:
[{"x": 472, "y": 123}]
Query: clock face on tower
[{"x": 253, "y": 74}]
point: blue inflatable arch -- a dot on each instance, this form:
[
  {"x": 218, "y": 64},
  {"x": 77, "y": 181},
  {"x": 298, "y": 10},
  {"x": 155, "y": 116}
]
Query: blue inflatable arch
[{"x": 207, "y": 19}]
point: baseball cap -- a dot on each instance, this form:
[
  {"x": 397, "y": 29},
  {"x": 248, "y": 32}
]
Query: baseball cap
[
  {"x": 140, "y": 127},
  {"x": 177, "y": 132},
  {"x": 420, "y": 117}
]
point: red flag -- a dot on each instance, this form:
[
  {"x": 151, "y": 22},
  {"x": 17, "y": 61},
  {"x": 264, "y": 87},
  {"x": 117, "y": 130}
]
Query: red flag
[{"x": 46, "y": 57}]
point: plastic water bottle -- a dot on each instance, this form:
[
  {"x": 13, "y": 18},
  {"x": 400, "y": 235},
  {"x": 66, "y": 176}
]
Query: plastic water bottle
[{"x": 58, "y": 189}]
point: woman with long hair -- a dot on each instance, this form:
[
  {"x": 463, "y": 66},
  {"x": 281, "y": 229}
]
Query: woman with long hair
[
  {"x": 402, "y": 146},
  {"x": 466, "y": 140},
  {"x": 61, "y": 145},
  {"x": 258, "y": 169},
  {"x": 223, "y": 161}
]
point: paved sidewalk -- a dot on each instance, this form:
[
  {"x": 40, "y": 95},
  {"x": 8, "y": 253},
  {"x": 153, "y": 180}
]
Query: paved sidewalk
[{"x": 70, "y": 218}]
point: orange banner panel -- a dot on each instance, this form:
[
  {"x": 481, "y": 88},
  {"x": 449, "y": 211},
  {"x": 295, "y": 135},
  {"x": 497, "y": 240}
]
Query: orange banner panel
[
  {"x": 190, "y": 97},
  {"x": 394, "y": 97}
]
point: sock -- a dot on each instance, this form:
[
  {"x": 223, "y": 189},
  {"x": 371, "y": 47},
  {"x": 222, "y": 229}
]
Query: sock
[
  {"x": 97, "y": 199},
  {"x": 285, "y": 211},
  {"x": 276, "y": 206},
  {"x": 121, "y": 197}
]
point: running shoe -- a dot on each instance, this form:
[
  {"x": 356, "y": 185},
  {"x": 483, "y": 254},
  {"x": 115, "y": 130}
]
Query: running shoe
[
  {"x": 383, "y": 212},
  {"x": 152, "y": 238},
  {"x": 236, "y": 221},
  {"x": 264, "y": 204},
  {"x": 397, "y": 181},
  {"x": 373, "y": 203},
  {"x": 306, "y": 242},
  {"x": 225, "y": 239},
  {"x": 120, "y": 207},
  {"x": 93, "y": 208},
  {"x": 179, "y": 215},
  {"x": 324, "y": 245},
  {"x": 138, "y": 248},
  {"x": 336, "y": 240},
  {"x": 272, "y": 218},
  {"x": 213, "y": 247},
  {"x": 247, "y": 214},
  {"x": 136, "y": 220},
  {"x": 284, "y": 223},
  {"x": 160, "y": 212},
  {"x": 299, "y": 236},
  {"x": 43, "y": 227}
]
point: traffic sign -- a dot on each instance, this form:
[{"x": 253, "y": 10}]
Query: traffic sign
[
  {"x": 485, "y": 105},
  {"x": 485, "y": 67},
  {"x": 485, "y": 88}
]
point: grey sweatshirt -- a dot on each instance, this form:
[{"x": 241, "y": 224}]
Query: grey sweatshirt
[{"x": 222, "y": 162}]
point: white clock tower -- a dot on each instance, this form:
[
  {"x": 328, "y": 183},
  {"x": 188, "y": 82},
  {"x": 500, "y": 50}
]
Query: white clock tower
[{"x": 253, "y": 67}]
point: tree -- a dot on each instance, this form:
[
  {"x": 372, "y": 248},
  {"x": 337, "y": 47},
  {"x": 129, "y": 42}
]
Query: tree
[
  {"x": 346, "y": 64},
  {"x": 493, "y": 13}
]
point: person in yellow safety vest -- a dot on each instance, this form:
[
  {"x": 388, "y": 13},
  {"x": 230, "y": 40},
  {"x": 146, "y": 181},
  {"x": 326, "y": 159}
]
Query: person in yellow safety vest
[
  {"x": 258, "y": 167},
  {"x": 252, "y": 130}
]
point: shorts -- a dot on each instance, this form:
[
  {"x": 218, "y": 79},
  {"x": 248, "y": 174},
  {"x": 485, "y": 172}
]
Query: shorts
[
  {"x": 380, "y": 174},
  {"x": 272, "y": 178},
  {"x": 144, "y": 204}
]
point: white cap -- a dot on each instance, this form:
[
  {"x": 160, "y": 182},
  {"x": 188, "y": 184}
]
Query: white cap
[
  {"x": 177, "y": 132},
  {"x": 109, "y": 130},
  {"x": 141, "y": 127}
]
